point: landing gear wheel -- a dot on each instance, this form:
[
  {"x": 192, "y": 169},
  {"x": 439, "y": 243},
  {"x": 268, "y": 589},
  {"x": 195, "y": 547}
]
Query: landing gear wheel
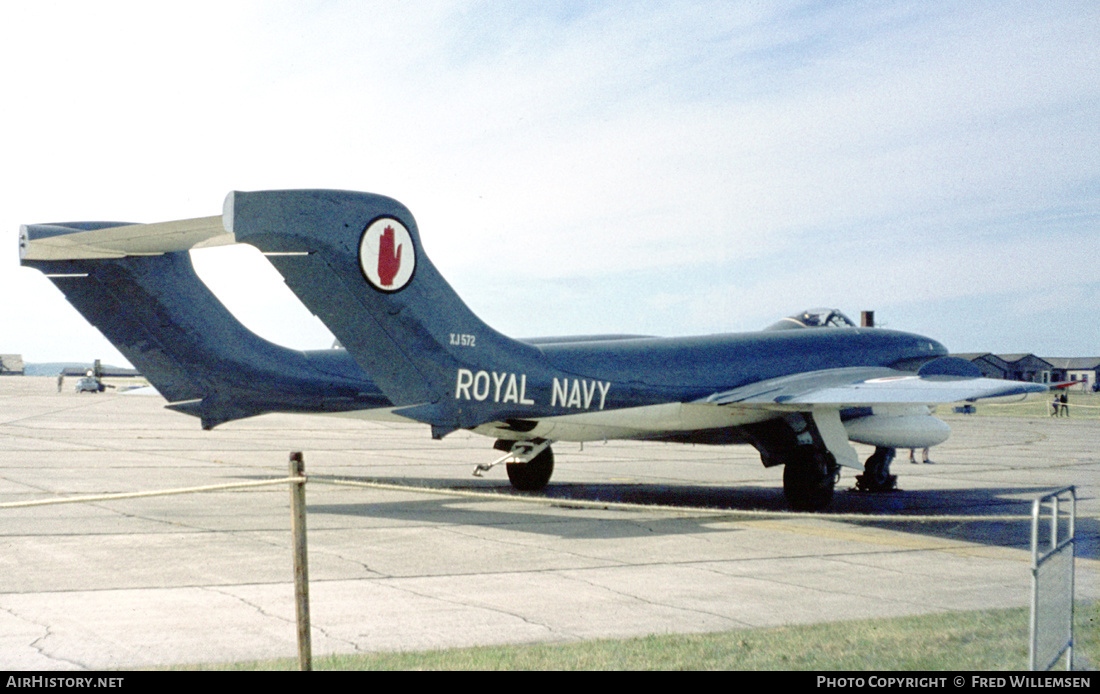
[
  {"x": 876, "y": 475},
  {"x": 808, "y": 479},
  {"x": 532, "y": 476}
]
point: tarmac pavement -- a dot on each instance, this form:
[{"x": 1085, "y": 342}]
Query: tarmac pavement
[{"x": 208, "y": 577}]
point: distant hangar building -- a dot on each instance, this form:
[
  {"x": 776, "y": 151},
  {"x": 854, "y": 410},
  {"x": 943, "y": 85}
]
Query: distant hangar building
[
  {"x": 1011, "y": 367},
  {"x": 1028, "y": 367}
]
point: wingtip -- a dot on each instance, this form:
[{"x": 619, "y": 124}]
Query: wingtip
[
  {"x": 24, "y": 242},
  {"x": 227, "y": 211}
]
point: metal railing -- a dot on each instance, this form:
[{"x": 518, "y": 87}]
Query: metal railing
[{"x": 1051, "y": 631}]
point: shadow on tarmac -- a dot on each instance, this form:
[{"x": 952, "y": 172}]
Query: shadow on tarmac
[{"x": 899, "y": 510}]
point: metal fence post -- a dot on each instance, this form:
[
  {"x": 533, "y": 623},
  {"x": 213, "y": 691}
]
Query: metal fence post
[{"x": 301, "y": 564}]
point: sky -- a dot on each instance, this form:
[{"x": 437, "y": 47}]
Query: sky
[{"x": 588, "y": 167}]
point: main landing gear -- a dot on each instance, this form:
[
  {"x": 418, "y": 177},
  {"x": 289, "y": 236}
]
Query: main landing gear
[
  {"x": 529, "y": 463},
  {"x": 809, "y": 476},
  {"x": 876, "y": 475}
]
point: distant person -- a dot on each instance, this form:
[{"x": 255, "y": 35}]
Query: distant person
[
  {"x": 1054, "y": 404},
  {"x": 60, "y": 381},
  {"x": 924, "y": 456},
  {"x": 1065, "y": 405}
]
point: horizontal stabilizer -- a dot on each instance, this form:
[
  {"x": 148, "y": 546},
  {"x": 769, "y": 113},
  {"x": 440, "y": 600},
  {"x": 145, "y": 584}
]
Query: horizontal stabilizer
[{"x": 91, "y": 240}]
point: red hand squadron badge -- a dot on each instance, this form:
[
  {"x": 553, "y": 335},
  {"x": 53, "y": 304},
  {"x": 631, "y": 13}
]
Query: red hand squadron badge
[
  {"x": 386, "y": 255},
  {"x": 389, "y": 262}
]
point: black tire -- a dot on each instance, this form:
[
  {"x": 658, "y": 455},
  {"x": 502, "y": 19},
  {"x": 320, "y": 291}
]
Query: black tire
[
  {"x": 808, "y": 479},
  {"x": 876, "y": 475},
  {"x": 532, "y": 476}
]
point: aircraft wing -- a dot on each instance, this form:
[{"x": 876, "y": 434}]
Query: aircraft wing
[{"x": 861, "y": 387}]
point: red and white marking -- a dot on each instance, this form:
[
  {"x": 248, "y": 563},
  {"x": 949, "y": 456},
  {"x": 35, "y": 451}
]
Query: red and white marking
[{"x": 386, "y": 254}]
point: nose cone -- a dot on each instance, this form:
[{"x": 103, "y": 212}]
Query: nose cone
[
  {"x": 922, "y": 346},
  {"x": 937, "y": 347},
  {"x": 916, "y": 350}
]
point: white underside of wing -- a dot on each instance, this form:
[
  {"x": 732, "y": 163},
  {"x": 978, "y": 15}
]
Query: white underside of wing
[
  {"x": 913, "y": 390},
  {"x": 867, "y": 386}
]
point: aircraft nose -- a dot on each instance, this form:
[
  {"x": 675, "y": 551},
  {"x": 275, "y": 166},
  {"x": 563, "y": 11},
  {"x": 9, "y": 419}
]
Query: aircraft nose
[
  {"x": 916, "y": 350},
  {"x": 929, "y": 348},
  {"x": 935, "y": 347}
]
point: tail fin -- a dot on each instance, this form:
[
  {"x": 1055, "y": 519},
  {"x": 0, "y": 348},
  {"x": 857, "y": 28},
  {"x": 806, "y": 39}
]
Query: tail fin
[
  {"x": 161, "y": 316},
  {"x": 356, "y": 260}
]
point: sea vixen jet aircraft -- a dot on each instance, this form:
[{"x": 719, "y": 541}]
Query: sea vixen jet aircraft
[{"x": 798, "y": 392}]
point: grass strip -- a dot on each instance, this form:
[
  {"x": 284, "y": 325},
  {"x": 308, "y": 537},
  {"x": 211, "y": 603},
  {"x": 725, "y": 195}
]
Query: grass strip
[{"x": 981, "y": 640}]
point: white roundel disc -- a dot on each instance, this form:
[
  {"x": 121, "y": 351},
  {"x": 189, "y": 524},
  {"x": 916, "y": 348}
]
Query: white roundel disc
[{"x": 386, "y": 254}]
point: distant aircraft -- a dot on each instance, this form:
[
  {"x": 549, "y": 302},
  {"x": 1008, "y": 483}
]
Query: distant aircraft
[{"x": 798, "y": 392}]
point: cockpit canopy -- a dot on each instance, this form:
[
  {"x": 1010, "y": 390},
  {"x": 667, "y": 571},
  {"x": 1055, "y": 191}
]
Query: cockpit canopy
[{"x": 814, "y": 318}]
